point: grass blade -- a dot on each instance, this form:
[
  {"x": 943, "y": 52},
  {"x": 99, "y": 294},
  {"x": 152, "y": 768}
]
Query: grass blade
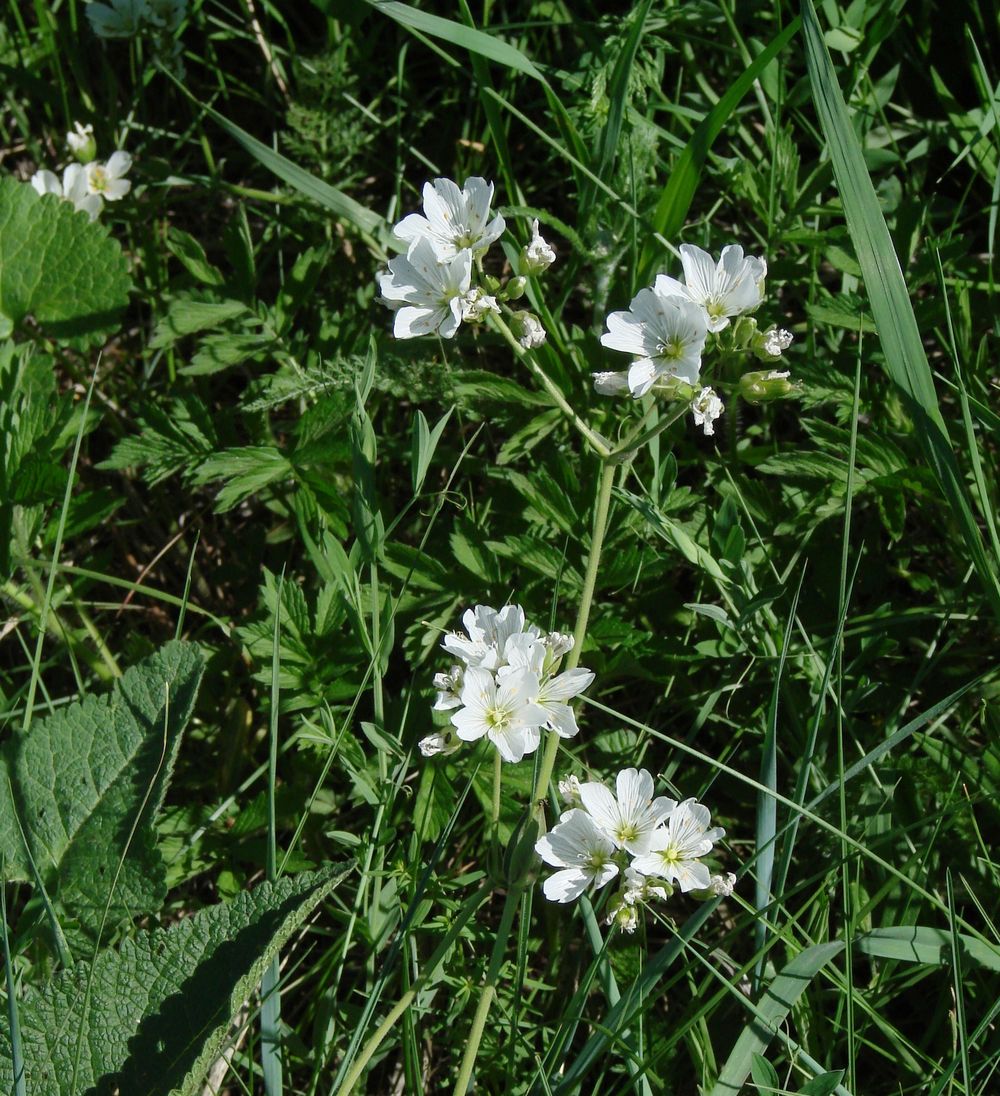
[
  {"x": 905, "y": 358},
  {"x": 675, "y": 201},
  {"x": 774, "y": 1006}
]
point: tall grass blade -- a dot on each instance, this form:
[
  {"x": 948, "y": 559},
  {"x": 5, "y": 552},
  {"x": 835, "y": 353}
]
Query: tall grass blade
[
  {"x": 774, "y": 1006},
  {"x": 675, "y": 201},
  {"x": 905, "y": 358},
  {"x": 13, "y": 1017}
]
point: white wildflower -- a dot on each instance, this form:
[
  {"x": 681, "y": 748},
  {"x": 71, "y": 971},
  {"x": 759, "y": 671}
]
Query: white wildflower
[
  {"x": 80, "y": 141},
  {"x": 610, "y": 384},
  {"x": 728, "y": 288},
  {"x": 569, "y": 789},
  {"x": 477, "y": 304},
  {"x": 673, "y": 852},
  {"x": 488, "y": 632},
  {"x": 438, "y": 743},
  {"x": 426, "y": 294},
  {"x": 502, "y": 710},
  {"x": 631, "y": 817},
  {"x": 528, "y": 330},
  {"x": 584, "y": 852},
  {"x": 455, "y": 220},
  {"x": 706, "y": 408},
  {"x": 449, "y": 688},
  {"x": 108, "y": 179},
  {"x": 73, "y": 188},
  {"x": 722, "y": 886},
  {"x": 665, "y": 333},
  {"x": 776, "y": 341},
  {"x": 538, "y": 255}
]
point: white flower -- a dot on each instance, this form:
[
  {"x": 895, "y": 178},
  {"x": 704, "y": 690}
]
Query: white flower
[
  {"x": 630, "y": 818},
  {"x": 706, "y": 408},
  {"x": 569, "y": 789},
  {"x": 528, "y": 330},
  {"x": 81, "y": 142},
  {"x": 531, "y": 652},
  {"x": 440, "y": 742},
  {"x": 455, "y": 221},
  {"x": 448, "y": 686},
  {"x": 776, "y": 341},
  {"x": 639, "y": 889},
  {"x": 108, "y": 179},
  {"x": 733, "y": 285},
  {"x": 117, "y": 18},
  {"x": 610, "y": 384},
  {"x": 552, "y": 697},
  {"x": 73, "y": 188},
  {"x": 538, "y": 255},
  {"x": 477, "y": 304},
  {"x": 426, "y": 294},
  {"x": 582, "y": 850},
  {"x": 488, "y": 633},
  {"x": 673, "y": 853},
  {"x": 722, "y": 885},
  {"x": 501, "y": 710},
  {"x": 559, "y": 643},
  {"x": 666, "y": 333}
]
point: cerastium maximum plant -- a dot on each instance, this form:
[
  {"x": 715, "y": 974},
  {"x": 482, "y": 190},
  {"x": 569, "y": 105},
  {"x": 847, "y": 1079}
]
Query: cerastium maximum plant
[{"x": 509, "y": 681}]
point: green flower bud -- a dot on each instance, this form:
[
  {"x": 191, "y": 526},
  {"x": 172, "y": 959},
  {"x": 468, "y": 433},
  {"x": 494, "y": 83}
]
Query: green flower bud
[
  {"x": 744, "y": 332},
  {"x": 491, "y": 284},
  {"x": 766, "y": 384},
  {"x": 515, "y": 288}
]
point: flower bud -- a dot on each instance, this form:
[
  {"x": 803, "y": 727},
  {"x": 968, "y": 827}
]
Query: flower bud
[
  {"x": 764, "y": 385},
  {"x": 81, "y": 143},
  {"x": 771, "y": 343},
  {"x": 744, "y": 332},
  {"x": 515, "y": 288},
  {"x": 673, "y": 388},
  {"x": 527, "y": 330},
  {"x": 538, "y": 255},
  {"x": 491, "y": 284}
]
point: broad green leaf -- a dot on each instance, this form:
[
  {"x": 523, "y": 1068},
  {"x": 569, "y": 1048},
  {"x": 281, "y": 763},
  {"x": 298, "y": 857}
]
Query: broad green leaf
[
  {"x": 153, "y": 1015},
  {"x": 58, "y": 267},
  {"x": 920, "y": 944},
  {"x": 902, "y": 345},
  {"x": 84, "y": 786},
  {"x": 782, "y": 993}
]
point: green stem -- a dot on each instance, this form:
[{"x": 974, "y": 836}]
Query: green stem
[
  {"x": 582, "y": 619},
  {"x": 510, "y": 905},
  {"x": 495, "y": 814},
  {"x": 636, "y": 440},
  {"x": 593, "y": 439}
]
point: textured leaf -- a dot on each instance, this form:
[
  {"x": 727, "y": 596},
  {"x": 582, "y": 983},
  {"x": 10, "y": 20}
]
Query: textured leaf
[
  {"x": 57, "y": 266},
  {"x": 84, "y": 786},
  {"x": 153, "y": 1016}
]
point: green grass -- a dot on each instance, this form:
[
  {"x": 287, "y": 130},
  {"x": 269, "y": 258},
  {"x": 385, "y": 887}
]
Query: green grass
[{"x": 792, "y": 621}]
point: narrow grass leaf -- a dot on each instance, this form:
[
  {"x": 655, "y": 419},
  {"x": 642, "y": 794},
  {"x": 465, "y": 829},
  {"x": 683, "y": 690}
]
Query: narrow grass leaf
[
  {"x": 930, "y": 946},
  {"x": 476, "y": 41},
  {"x": 785, "y": 989},
  {"x": 905, "y": 357},
  {"x": 677, "y": 195}
]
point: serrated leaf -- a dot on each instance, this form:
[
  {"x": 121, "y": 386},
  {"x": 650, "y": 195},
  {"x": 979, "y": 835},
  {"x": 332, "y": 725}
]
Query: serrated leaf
[
  {"x": 153, "y": 1016},
  {"x": 57, "y": 266},
  {"x": 85, "y": 784}
]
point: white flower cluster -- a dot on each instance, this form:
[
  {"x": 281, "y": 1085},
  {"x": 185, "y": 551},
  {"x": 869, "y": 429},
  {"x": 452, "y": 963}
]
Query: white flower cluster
[
  {"x": 506, "y": 684},
  {"x": 88, "y": 184},
  {"x": 666, "y": 328},
  {"x": 433, "y": 287},
  {"x": 653, "y": 844}
]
